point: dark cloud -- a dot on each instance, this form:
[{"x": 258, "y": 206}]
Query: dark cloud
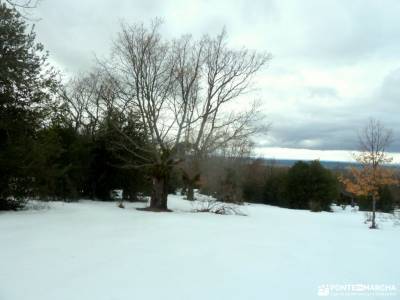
[
  {"x": 312, "y": 126},
  {"x": 336, "y": 62}
]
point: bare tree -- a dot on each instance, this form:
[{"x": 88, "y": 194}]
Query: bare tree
[
  {"x": 222, "y": 174},
  {"x": 183, "y": 90},
  {"x": 23, "y": 4},
  {"x": 87, "y": 99},
  {"x": 373, "y": 140},
  {"x": 24, "y": 7},
  {"x": 215, "y": 76}
]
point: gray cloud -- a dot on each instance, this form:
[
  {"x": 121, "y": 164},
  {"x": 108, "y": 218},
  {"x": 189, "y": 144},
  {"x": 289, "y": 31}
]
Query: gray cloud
[
  {"x": 310, "y": 125},
  {"x": 324, "y": 92},
  {"x": 347, "y": 31},
  {"x": 336, "y": 62},
  {"x": 390, "y": 90}
]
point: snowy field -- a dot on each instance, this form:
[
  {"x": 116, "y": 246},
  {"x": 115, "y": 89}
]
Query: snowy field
[{"x": 96, "y": 251}]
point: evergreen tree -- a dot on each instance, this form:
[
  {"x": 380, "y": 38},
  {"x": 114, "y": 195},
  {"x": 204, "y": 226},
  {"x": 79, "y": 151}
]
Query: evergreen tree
[
  {"x": 26, "y": 86},
  {"x": 385, "y": 199},
  {"x": 275, "y": 190},
  {"x": 298, "y": 188},
  {"x": 385, "y": 203},
  {"x": 61, "y": 163},
  {"x": 311, "y": 186}
]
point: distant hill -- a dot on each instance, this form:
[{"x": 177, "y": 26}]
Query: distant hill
[{"x": 332, "y": 165}]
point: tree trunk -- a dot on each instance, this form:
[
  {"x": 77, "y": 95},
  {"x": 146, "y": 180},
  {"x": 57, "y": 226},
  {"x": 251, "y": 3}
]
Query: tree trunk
[
  {"x": 190, "y": 192},
  {"x": 190, "y": 184},
  {"x": 184, "y": 191},
  {"x": 159, "y": 197},
  {"x": 373, "y": 225}
]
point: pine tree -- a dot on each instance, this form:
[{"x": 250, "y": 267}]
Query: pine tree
[
  {"x": 310, "y": 185},
  {"x": 27, "y": 83}
]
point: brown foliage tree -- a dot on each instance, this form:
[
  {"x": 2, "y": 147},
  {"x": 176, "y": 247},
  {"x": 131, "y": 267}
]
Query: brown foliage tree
[{"x": 373, "y": 174}]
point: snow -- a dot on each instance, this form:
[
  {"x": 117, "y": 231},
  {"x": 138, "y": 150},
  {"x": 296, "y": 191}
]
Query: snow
[{"x": 97, "y": 251}]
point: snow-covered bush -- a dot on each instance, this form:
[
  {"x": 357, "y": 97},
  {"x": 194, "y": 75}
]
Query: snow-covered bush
[
  {"x": 11, "y": 203},
  {"x": 396, "y": 216},
  {"x": 209, "y": 204},
  {"x": 36, "y": 205}
]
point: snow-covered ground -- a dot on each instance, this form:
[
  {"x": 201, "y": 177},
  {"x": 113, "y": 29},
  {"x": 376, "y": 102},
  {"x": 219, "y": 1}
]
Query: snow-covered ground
[{"x": 96, "y": 251}]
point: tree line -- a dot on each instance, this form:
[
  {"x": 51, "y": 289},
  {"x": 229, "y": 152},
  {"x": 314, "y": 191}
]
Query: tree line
[
  {"x": 309, "y": 185},
  {"x": 158, "y": 115},
  {"x": 152, "y": 112}
]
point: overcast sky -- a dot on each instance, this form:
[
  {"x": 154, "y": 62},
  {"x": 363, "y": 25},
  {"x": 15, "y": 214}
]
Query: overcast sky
[{"x": 335, "y": 63}]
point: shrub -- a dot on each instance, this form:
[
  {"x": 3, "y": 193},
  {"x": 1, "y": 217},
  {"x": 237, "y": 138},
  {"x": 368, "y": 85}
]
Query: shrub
[
  {"x": 275, "y": 190},
  {"x": 311, "y": 186},
  {"x": 11, "y": 204},
  {"x": 315, "y": 206}
]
